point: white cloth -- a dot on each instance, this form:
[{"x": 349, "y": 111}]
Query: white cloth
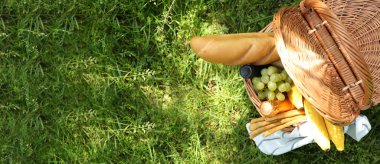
[{"x": 280, "y": 142}]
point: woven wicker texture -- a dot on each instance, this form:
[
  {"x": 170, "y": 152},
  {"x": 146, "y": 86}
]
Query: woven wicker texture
[
  {"x": 324, "y": 60},
  {"x": 309, "y": 66},
  {"x": 362, "y": 21}
]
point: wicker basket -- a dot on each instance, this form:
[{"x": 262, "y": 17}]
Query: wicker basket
[{"x": 331, "y": 50}]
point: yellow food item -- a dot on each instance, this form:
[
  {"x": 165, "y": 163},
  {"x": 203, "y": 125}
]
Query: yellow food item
[
  {"x": 336, "y": 134},
  {"x": 295, "y": 97},
  {"x": 319, "y": 130}
]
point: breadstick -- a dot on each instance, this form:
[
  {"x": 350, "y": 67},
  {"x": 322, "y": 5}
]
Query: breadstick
[
  {"x": 256, "y": 125},
  {"x": 277, "y": 128},
  {"x": 288, "y": 129},
  {"x": 263, "y": 129},
  {"x": 257, "y": 131},
  {"x": 257, "y": 120},
  {"x": 290, "y": 113}
]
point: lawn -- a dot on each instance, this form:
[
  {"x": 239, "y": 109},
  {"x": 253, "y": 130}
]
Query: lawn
[{"x": 111, "y": 81}]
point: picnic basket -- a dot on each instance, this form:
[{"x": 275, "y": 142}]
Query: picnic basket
[{"x": 331, "y": 51}]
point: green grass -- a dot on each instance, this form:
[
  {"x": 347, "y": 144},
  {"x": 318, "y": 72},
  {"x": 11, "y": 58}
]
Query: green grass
[{"x": 116, "y": 81}]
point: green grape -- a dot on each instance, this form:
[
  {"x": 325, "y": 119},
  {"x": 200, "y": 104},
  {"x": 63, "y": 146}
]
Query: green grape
[
  {"x": 266, "y": 91},
  {"x": 282, "y": 87},
  {"x": 260, "y": 86},
  {"x": 264, "y": 71},
  {"x": 262, "y": 95},
  {"x": 288, "y": 87},
  {"x": 272, "y": 86},
  {"x": 256, "y": 80},
  {"x": 284, "y": 75},
  {"x": 275, "y": 77},
  {"x": 289, "y": 80},
  {"x": 280, "y": 96},
  {"x": 272, "y": 70},
  {"x": 265, "y": 79},
  {"x": 271, "y": 95}
]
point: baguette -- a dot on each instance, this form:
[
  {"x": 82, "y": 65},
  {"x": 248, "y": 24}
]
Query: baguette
[{"x": 236, "y": 49}]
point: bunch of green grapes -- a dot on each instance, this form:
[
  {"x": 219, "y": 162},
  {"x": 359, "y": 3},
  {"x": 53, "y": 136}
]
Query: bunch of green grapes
[{"x": 273, "y": 84}]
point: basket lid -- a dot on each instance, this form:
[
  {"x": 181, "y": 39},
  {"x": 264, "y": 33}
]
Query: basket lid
[
  {"x": 323, "y": 60},
  {"x": 362, "y": 21}
]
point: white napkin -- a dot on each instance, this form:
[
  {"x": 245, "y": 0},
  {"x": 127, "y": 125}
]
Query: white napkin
[{"x": 280, "y": 142}]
